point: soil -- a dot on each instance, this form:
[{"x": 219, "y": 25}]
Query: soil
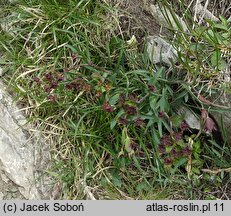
[{"x": 135, "y": 19}]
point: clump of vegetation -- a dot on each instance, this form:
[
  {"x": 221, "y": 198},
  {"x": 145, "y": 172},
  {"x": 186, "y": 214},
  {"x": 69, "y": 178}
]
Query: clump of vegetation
[{"x": 111, "y": 113}]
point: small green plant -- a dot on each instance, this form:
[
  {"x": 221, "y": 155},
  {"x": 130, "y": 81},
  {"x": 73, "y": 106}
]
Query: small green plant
[{"x": 207, "y": 51}]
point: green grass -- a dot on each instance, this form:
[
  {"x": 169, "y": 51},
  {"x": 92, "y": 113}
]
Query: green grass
[{"x": 104, "y": 106}]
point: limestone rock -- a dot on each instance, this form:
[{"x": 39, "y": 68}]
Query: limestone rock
[
  {"x": 162, "y": 14},
  {"x": 203, "y": 12},
  {"x": 160, "y": 50},
  {"x": 191, "y": 119},
  {"x": 18, "y": 149},
  {"x": 224, "y": 115}
]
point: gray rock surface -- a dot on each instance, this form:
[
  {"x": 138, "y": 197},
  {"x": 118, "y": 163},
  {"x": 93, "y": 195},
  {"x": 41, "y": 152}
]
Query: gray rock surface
[
  {"x": 162, "y": 14},
  {"x": 160, "y": 50},
  {"x": 191, "y": 119},
  {"x": 224, "y": 116},
  {"x": 21, "y": 154},
  {"x": 203, "y": 13}
]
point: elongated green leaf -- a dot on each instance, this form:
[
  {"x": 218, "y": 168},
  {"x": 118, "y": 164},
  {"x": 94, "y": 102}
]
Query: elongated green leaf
[{"x": 215, "y": 57}]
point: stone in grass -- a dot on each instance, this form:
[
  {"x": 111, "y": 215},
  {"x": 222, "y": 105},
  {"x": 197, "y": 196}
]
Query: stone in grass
[
  {"x": 192, "y": 120},
  {"x": 160, "y": 51},
  {"x": 203, "y": 13},
  {"x": 223, "y": 116},
  {"x": 167, "y": 18}
]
